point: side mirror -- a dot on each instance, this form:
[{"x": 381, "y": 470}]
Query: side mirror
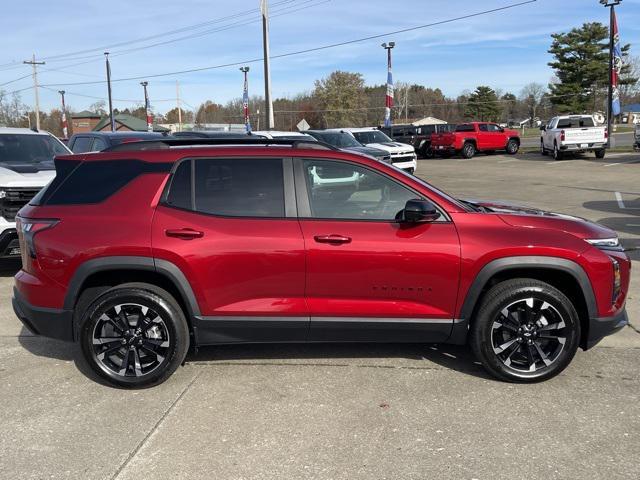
[
  {"x": 418, "y": 211},
  {"x": 543, "y": 128}
]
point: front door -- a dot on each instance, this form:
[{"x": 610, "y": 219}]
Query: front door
[
  {"x": 370, "y": 278},
  {"x": 226, "y": 225}
]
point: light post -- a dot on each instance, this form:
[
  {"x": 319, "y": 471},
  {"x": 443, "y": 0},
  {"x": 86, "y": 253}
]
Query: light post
[
  {"x": 146, "y": 107},
  {"x": 613, "y": 70},
  {"x": 65, "y": 131},
  {"x": 108, "y": 65},
  {"x": 245, "y": 99},
  {"x": 388, "y": 103}
]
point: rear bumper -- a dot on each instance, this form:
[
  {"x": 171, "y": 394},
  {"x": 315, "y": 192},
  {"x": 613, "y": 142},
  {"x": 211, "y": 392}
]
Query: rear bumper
[
  {"x": 602, "y": 327},
  {"x": 582, "y": 147},
  {"x": 9, "y": 245},
  {"x": 48, "y": 322}
]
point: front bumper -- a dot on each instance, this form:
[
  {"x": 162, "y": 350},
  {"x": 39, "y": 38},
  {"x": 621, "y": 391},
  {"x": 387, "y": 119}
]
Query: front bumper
[
  {"x": 602, "y": 327},
  {"x": 48, "y": 322}
]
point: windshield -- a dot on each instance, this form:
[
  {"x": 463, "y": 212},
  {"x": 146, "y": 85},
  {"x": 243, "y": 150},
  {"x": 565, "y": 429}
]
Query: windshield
[
  {"x": 339, "y": 139},
  {"x": 24, "y": 148},
  {"x": 371, "y": 136}
]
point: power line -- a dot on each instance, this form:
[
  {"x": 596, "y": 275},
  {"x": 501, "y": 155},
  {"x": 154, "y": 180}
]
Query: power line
[{"x": 308, "y": 50}]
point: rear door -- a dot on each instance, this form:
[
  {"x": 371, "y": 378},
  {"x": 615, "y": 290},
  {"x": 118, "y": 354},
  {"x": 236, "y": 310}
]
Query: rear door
[
  {"x": 370, "y": 278},
  {"x": 230, "y": 225}
]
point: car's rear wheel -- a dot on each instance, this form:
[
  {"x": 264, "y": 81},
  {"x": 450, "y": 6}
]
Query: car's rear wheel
[
  {"x": 525, "y": 331},
  {"x": 134, "y": 335},
  {"x": 557, "y": 154},
  {"x": 600, "y": 153},
  {"x": 468, "y": 150},
  {"x": 512, "y": 147}
]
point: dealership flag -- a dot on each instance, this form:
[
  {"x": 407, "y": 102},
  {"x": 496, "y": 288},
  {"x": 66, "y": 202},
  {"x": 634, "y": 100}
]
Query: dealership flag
[
  {"x": 389, "y": 99},
  {"x": 617, "y": 67},
  {"x": 245, "y": 104}
]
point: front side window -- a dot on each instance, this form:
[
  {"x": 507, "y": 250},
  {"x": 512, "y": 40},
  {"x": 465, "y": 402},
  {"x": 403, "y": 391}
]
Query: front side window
[
  {"x": 483, "y": 127},
  {"x": 340, "y": 190},
  {"x": 494, "y": 128},
  {"x": 371, "y": 136},
  {"x": 239, "y": 187}
]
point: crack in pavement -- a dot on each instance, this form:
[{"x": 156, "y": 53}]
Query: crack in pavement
[{"x": 154, "y": 428}]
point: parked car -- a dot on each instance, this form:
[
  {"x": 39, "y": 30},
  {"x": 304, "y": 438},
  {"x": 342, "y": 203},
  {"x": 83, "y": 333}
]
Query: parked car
[
  {"x": 98, "y": 141},
  {"x": 417, "y": 135},
  {"x": 403, "y": 156},
  {"x": 276, "y": 134},
  {"x": 470, "y": 138},
  {"x": 26, "y": 165},
  {"x": 636, "y": 136},
  {"x": 573, "y": 134},
  {"x": 183, "y": 247},
  {"x": 341, "y": 139}
]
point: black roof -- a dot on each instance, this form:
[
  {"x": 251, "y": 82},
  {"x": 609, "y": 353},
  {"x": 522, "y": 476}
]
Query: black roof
[
  {"x": 123, "y": 134},
  {"x": 169, "y": 141}
]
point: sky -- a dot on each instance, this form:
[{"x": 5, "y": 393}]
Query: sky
[{"x": 505, "y": 50}]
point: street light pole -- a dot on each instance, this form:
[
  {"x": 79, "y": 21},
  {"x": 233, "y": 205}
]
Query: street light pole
[
  {"x": 245, "y": 99},
  {"x": 65, "y": 132},
  {"x": 264, "y": 8},
  {"x": 146, "y": 107},
  {"x": 388, "y": 103},
  {"x": 111, "y": 119},
  {"x": 611, "y": 5}
]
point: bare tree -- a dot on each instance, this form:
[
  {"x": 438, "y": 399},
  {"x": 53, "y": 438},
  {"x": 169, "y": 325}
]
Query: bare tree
[{"x": 532, "y": 95}]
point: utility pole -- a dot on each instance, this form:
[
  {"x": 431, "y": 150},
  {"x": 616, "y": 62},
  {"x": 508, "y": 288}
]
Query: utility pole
[
  {"x": 147, "y": 109},
  {"x": 178, "y": 104},
  {"x": 388, "y": 103},
  {"x": 264, "y": 8},
  {"x": 65, "y": 132},
  {"x": 112, "y": 120},
  {"x": 34, "y": 65},
  {"x": 245, "y": 100},
  {"x": 613, "y": 75}
]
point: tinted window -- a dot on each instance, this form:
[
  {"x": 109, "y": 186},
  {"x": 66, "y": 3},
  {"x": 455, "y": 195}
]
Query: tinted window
[
  {"x": 483, "y": 127},
  {"x": 28, "y": 148},
  {"x": 240, "y": 187},
  {"x": 465, "y": 127},
  {"x": 494, "y": 128},
  {"x": 371, "y": 136},
  {"x": 180, "y": 191},
  {"x": 575, "y": 122},
  {"x": 98, "y": 145},
  {"x": 93, "y": 182},
  {"x": 428, "y": 129},
  {"x": 82, "y": 144},
  {"x": 339, "y": 190}
]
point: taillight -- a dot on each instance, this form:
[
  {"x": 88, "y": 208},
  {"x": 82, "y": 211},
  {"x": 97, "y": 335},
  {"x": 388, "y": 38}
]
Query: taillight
[
  {"x": 27, "y": 230},
  {"x": 562, "y": 135},
  {"x": 606, "y": 132}
]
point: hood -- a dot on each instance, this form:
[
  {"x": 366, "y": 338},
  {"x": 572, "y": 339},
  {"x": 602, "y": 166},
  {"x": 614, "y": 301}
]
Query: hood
[
  {"x": 27, "y": 175},
  {"x": 521, "y": 216},
  {"x": 392, "y": 147},
  {"x": 373, "y": 152}
]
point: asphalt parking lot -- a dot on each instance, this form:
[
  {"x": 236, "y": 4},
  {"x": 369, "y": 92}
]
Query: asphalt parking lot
[{"x": 347, "y": 411}]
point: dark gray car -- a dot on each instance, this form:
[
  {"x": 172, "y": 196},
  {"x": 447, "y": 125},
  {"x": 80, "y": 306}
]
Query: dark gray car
[{"x": 345, "y": 141}]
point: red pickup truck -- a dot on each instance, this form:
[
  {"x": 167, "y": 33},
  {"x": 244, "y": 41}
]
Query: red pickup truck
[{"x": 469, "y": 138}]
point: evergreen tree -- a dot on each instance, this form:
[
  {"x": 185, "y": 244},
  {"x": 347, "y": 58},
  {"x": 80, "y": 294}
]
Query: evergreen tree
[{"x": 483, "y": 105}]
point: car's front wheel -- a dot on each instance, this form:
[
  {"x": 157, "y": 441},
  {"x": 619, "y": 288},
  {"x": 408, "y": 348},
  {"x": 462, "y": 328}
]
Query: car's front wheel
[
  {"x": 512, "y": 147},
  {"x": 134, "y": 335},
  {"x": 525, "y": 331}
]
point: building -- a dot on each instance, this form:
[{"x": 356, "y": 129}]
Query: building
[
  {"x": 125, "y": 123},
  {"x": 428, "y": 121},
  {"x": 84, "y": 121}
]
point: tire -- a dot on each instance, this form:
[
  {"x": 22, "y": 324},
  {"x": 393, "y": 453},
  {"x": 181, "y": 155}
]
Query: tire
[
  {"x": 512, "y": 147},
  {"x": 516, "y": 347},
  {"x": 557, "y": 154},
  {"x": 543, "y": 151},
  {"x": 600, "y": 153},
  {"x": 134, "y": 335},
  {"x": 468, "y": 150},
  {"x": 427, "y": 152}
]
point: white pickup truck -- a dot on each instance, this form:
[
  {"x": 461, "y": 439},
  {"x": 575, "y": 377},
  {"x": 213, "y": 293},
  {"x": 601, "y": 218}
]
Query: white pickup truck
[
  {"x": 636, "y": 137},
  {"x": 573, "y": 134}
]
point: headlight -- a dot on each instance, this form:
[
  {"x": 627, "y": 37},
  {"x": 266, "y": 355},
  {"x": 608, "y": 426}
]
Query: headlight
[
  {"x": 3, "y": 194},
  {"x": 605, "y": 243}
]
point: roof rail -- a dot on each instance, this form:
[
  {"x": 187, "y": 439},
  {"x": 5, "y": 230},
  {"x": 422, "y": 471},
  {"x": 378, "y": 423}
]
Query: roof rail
[{"x": 165, "y": 143}]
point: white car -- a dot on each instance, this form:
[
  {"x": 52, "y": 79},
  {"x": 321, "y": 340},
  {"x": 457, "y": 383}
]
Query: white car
[
  {"x": 573, "y": 133},
  {"x": 403, "y": 156},
  {"x": 275, "y": 134},
  {"x": 26, "y": 165}
]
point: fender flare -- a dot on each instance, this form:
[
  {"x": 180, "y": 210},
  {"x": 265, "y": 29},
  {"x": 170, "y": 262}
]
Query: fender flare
[
  {"x": 511, "y": 263},
  {"x": 104, "y": 264}
]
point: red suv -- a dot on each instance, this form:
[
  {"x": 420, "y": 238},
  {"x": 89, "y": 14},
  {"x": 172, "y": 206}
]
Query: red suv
[{"x": 142, "y": 251}]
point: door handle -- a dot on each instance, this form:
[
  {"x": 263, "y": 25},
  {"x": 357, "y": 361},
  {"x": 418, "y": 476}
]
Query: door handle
[
  {"x": 184, "y": 233},
  {"x": 332, "y": 239}
]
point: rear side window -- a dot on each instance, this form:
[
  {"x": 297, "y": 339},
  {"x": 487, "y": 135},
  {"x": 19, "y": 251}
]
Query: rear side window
[
  {"x": 95, "y": 181},
  {"x": 179, "y": 195},
  {"x": 82, "y": 145},
  {"x": 239, "y": 187},
  {"x": 465, "y": 127}
]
